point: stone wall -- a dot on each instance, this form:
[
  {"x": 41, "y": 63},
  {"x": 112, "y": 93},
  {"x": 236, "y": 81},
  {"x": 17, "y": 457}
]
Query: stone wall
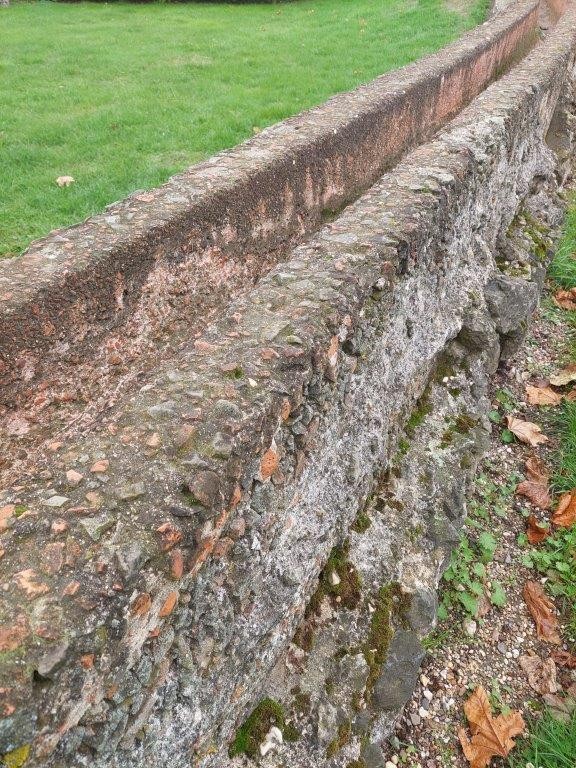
[{"x": 264, "y": 514}]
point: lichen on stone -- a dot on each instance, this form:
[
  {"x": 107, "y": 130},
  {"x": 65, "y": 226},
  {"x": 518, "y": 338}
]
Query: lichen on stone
[{"x": 16, "y": 758}]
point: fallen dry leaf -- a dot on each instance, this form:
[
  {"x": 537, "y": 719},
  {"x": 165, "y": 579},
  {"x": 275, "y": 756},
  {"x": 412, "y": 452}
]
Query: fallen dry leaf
[
  {"x": 491, "y": 736},
  {"x": 542, "y": 611},
  {"x": 526, "y": 431},
  {"x": 563, "y": 377},
  {"x": 535, "y": 487},
  {"x": 537, "y": 470},
  {"x": 565, "y": 515},
  {"x": 542, "y": 395},
  {"x": 541, "y": 673},
  {"x": 565, "y": 659},
  {"x": 536, "y": 533},
  {"x": 536, "y": 492},
  {"x": 565, "y": 299},
  {"x": 64, "y": 181}
]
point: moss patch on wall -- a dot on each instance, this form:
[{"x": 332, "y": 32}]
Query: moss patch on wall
[{"x": 253, "y": 732}]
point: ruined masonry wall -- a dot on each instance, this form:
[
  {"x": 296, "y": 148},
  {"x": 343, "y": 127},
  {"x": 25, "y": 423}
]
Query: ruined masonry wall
[{"x": 165, "y": 569}]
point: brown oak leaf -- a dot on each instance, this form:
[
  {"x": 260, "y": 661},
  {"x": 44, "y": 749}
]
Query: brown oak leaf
[
  {"x": 542, "y": 611},
  {"x": 542, "y": 396},
  {"x": 565, "y": 514},
  {"x": 526, "y": 431},
  {"x": 536, "y": 533},
  {"x": 491, "y": 736}
]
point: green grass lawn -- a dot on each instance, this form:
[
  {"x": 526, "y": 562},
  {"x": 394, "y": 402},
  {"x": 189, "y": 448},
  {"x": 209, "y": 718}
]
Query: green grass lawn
[{"x": 122, "y": 96}]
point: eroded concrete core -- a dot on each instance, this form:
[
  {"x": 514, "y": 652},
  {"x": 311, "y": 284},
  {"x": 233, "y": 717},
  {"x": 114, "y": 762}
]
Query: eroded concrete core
[{"x": 265, "y": 513}]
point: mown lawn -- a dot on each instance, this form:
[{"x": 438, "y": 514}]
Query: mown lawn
[{"x": 122, "y": 96}]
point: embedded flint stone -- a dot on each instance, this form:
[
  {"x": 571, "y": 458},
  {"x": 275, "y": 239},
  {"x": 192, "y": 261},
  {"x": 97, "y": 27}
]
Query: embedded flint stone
[{"x": 399, "y": 674}]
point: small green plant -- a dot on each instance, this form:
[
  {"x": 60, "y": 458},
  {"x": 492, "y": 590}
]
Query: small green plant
[{"x": 466, "y": 575}]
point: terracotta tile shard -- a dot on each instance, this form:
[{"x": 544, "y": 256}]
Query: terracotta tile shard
[
  {"x": 154, "y": 440},
  {"x": 285, "y": 409},
  {"x": 74, "y": 478},
  {"x": 141, "y": 605},
  {"x": 236, "y": 496},
  {"x": 11, "y": 636},
  {"x": 169, "y": 605},
  {"x": 27, "y": 581},
  {"x": 87, "y": 660},
  {"x": 5, "y": 514},
  {"x": 542, "y": 611},
  {"x": 100, "y": 466},
  {"x": 269, "y": 462},
  {"x": 171, "y": 535},
  {"x": 71, "y": 588},
  {"x": 332, "y": 358},
  {"x": 184, "y": 435},
  {"x": 222, "y": 547},
  {"x": 176, "y": 564},
  {"x": 204, "y": 346},
  {"x": 205, "y": 488},
  {"x": 268, "y": 353},
  {"x": 94, "y": 499},
  {"x": 53, "y": 558}
]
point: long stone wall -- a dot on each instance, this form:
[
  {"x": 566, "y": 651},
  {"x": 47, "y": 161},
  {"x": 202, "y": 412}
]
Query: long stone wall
[
  {"x": 169, "y": 257},
  {"x": 265, "y": 511}
]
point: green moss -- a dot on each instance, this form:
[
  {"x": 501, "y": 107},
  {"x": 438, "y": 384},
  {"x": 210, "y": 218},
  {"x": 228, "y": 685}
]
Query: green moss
[
  {"x": 391, "y": 607},
  {"x": 362, "y": 523},
  {"x": 304, "y": 635},
  {"x": 403, "y": 446},
  {"x": 348, "y": 591},
  {"x": 415, "y": 532},
  {"x": 356, "y": 764},
  {"x": 464, "y": 423},
  {"x": 418, "y": 415},
  {"x": 444, "y": 370},
  {"x": 302, "y": 702},
  {"x": 344, "y": 733},
  {"x": 379, "y": 636},
  {"x": 250, "y": 735},
  {"x": 17, "y": 757},
  {"x": 19, "y": 509}
]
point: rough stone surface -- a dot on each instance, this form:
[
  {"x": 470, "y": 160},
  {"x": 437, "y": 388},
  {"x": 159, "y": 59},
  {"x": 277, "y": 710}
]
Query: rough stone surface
[
  {"x": 149, "y": 600},
  {"x": 88, "y": 310}
]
